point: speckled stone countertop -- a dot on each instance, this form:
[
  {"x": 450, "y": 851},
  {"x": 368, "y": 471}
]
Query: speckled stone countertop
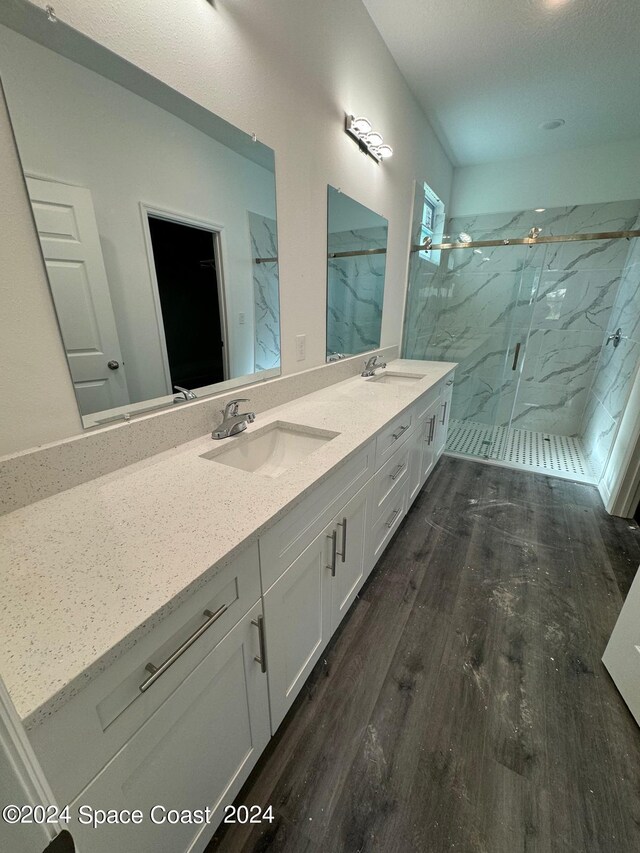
[{"x": 87, "y": 572}]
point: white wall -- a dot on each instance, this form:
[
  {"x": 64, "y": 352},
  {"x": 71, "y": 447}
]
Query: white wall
[
  {"x": 580, "y": 176},
  {"x": 287, "y": 70},
  {"x": 76, "y": 127}
]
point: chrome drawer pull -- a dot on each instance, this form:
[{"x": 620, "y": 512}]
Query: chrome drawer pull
[
  {"x": 432, "y": 423},
  {"x": 157, "y": 671},
  {"x": 343, "y": 525},
  {"x": 444, "y": 412},
  {"x": 396, "y": 473},
  {"x": 262, "y": 659},
  {"x": 334, "y": 552},
  {"x": 396, "y": 435},
  {"x": 394, "y": 515}
]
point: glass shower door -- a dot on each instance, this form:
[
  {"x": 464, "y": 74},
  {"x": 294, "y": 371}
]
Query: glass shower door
[{"x": 475, "y": 309}]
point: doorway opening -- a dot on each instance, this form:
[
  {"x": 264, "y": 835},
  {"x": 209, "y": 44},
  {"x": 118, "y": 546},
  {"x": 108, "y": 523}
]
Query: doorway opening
[{"x": 188, "y": 277}]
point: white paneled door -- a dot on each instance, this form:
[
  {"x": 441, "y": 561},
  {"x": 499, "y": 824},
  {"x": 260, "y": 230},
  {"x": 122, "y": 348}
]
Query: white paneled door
[
  {"x": 622, "y": 655},
  {"x": 68, "y": 232}
]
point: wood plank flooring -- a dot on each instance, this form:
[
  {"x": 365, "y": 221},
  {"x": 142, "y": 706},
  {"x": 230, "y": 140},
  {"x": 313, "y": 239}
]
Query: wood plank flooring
[{"x": 463, "y": 705}]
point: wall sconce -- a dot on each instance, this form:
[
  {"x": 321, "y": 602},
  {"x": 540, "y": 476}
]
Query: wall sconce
[{"x": 369, "y": 141}]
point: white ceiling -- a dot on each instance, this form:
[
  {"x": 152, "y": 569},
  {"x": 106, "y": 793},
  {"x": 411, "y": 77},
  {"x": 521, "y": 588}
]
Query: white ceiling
[{"x": 488, "y": 72}]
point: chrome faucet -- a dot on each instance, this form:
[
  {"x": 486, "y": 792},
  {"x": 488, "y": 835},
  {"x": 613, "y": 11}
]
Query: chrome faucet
[
  {"x": 371, "y": 365},
  {"x": 233, "y": 421},
  {"x": 184, "y": 394}
]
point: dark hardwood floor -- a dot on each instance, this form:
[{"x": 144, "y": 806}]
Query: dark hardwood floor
[{"x": 463, "y": 705}]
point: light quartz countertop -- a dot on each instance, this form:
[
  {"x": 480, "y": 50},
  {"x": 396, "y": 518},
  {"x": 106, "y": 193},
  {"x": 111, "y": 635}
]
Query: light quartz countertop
[{"x": 87, "y": 572}]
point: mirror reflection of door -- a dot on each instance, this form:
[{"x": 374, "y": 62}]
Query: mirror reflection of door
[
  {"x": 185, "y": 261},
  {"x": 68, "y": 232}
]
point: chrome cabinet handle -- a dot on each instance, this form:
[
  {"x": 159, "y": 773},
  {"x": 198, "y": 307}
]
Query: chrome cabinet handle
[
  {"x": 262, "y": 657},
  {"x": 516, "y": 356},
  {"x": 157, "y": 671},
  {"x": 432, "y": 423},
  {"x": 394, "y": 515},
  {"x": 334, "y": 552},
  {"x": 396, "y": 473},
  {"x": 444, "y": 411},
  {"x": 449, "y": 382},
  {"x": 396, "y": 435},
  {"x": 343, "y": 525}
]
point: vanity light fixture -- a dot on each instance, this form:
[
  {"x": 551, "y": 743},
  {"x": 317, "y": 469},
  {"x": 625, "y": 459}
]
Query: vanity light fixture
[{"x": 369, "y": 141}]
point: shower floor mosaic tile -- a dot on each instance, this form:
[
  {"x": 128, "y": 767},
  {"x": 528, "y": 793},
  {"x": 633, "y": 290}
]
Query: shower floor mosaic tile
[{"x": 541, "y": 452}]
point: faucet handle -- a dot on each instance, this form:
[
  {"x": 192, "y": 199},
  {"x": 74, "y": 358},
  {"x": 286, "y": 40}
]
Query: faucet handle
[{"x": 231, "y": 409}]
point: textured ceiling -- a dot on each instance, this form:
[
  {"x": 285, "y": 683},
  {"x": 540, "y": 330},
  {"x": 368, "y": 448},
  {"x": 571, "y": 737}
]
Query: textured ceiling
[{"x": 488, "y": 72}]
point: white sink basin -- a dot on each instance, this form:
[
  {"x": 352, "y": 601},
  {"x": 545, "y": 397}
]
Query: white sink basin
[
  {"x": 390, "y": 378},
  {"x": 272, "y": 450}
]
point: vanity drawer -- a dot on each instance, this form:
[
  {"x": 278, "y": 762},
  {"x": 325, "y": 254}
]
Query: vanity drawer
[
  {"x": 386, "y": 526},
  {"x": 105, "y": 714},
  {"x": 393, "y": 436},
  {"x": 288, "y": 538},
  {"x": 390, "y": 480}
]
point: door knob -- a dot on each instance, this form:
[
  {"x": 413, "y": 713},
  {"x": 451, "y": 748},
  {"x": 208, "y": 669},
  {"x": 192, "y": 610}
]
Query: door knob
[{"x": 113, "y": 364}]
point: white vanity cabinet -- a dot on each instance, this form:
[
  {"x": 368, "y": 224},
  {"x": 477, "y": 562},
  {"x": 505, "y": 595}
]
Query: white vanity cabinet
[
  {"x": 195, "y": 752},
  {"x": 305, "y": 605}
]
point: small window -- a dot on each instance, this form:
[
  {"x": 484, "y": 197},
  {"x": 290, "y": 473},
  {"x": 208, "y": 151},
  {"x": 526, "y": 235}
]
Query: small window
[{"x": 432, "y": 223}]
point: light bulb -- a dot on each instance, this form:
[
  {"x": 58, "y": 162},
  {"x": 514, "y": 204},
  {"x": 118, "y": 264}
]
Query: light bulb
[
  {"x": 384, "y": 151},
  {"x": 373, "y": 139},
  {"x": 361, "y": 126}
]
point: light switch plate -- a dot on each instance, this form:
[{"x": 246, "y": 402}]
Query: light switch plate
[{"x": 301, "y": 347}]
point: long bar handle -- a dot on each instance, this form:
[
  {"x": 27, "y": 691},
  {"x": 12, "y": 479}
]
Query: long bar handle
[
  {"x": 394, "y": 515},
  {"x": 397, "y": 472},
  {"x": 157, "y": 671},
  {"x": 396, "y": 435},
  {"x": 444, "y": 412},
  {"x": 343, "y": 525},
  {"x": 334, "y": 552},
  {"x": 516, "y": 356},
  {"x": 432, "y": 423},
  {"x": 262, "y": 658}
]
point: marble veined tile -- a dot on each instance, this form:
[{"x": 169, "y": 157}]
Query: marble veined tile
[
  {"x": 626, "y": 310},
  {"x": 615, "y": 375},
  {"x": 576, "y": 300},
  {"x": 266, "y": 293},
  {"x": 550, "y": 408},
  {"x": 355, "y": 291},
  {"x": 598, "y": 432},
  {"x": 561, "y": 357}
]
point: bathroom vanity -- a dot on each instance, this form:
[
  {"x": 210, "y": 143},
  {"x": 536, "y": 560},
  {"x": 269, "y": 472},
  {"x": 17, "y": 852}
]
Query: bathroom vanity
[{"x": 163, "y": 618}]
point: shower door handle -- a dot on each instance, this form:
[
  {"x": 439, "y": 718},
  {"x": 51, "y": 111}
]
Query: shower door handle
[{"x": 516, "y": 356}]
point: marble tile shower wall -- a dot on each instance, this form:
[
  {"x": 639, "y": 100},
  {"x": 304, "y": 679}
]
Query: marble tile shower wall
[
  {"x": 266, "y": 293},
  {"x": 617, "y": 367},
  {"x": 355, "y": 291},
  {"x": 555, "y": 300}
]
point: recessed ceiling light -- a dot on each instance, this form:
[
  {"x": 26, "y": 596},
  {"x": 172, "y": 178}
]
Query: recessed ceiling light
[
  {"x": 539, "y": 209},
  {"x": 552, "y": 124}
]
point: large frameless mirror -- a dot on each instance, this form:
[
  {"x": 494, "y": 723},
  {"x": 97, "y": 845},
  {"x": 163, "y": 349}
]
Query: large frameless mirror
[
  {"x": 357, "y": 252},
  {"x": 151, "y": 213}
]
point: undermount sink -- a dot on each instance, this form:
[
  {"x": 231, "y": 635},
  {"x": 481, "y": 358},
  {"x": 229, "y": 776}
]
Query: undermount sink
[
  {"x": 390, "y": 378},
  {"x": 272, "y": 450}
]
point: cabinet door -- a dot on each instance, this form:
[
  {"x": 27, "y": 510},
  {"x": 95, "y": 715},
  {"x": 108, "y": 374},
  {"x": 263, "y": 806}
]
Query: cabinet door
[
  {"x": 429, "y": 440},
  {"x": 350, "y": 566},
  {"x": 194, "y": 752},
  {"x": 297, "y": 611},
  {"x": 415, "y": 461},
  {"x": 443, "y": 419}
]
